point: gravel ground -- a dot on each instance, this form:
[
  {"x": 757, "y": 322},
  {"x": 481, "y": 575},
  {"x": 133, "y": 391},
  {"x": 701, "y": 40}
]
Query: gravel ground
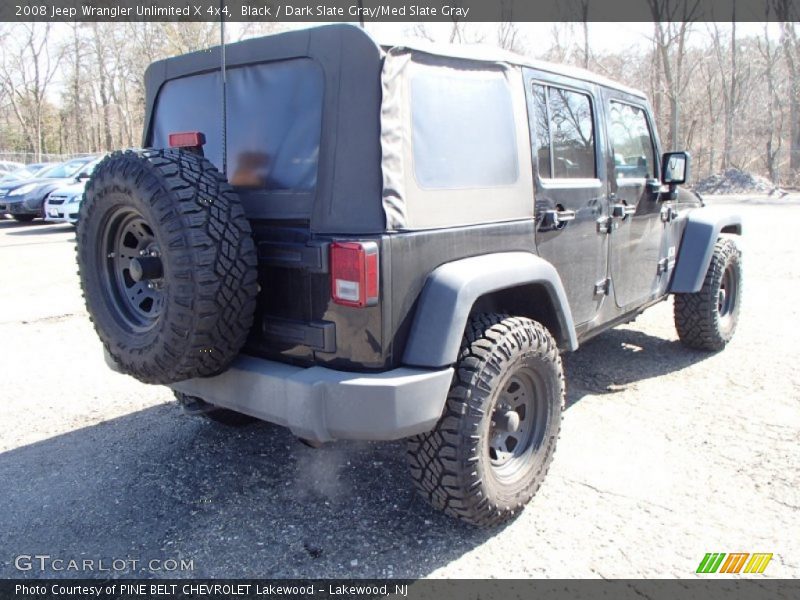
[{"x": 665, "y": 454}]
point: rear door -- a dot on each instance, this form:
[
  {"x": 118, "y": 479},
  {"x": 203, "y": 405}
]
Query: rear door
[{"x": 569, "y": 186}]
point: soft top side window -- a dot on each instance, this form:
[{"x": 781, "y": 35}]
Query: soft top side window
[{"x": 462, "y": 129}]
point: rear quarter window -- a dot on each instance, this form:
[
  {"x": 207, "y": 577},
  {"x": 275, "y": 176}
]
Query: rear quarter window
[{"x": 463, "y": 132}]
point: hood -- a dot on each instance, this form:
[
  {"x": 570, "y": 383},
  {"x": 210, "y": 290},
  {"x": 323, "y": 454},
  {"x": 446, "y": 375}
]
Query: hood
[{"x": 70, "y": 189}]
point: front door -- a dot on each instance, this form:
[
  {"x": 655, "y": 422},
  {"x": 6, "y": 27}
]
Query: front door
[
  {"x": 569, "y": 187},
  {"x": 638, "y": 238}
]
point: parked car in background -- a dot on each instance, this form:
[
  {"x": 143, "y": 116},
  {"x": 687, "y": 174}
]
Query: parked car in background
[
  {"x": 26, "y": 172},
  {"x": 17, "y": 175},
  {"x": 24, "y": 199},
  {"x": 39, "y": 167},
  {"x": 62, "y": 204},
  {"x": 8, "y": 166}
]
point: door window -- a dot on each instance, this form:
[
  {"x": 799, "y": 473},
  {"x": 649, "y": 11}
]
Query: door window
[
  {"x": 563, "y": 133},
  {"x": 631, "y": 142}
]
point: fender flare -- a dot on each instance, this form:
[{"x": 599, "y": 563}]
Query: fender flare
[
  {"x": 703, "y": 227},
  {"x": 452, "y": 289}
]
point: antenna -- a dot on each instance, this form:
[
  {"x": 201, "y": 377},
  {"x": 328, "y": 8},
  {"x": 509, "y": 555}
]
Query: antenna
[
  {"x": 361, "y": 13},
  {"x": 224, "y": 90}
]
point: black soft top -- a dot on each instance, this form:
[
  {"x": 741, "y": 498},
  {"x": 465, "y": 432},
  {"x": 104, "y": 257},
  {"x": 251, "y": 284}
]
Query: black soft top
[{"x": 347, "y": 198}]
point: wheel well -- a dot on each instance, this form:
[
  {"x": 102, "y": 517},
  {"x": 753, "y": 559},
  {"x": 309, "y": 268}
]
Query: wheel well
[
  {"x": 531, "y": 300},
  {"x": 735, "y": 228}
]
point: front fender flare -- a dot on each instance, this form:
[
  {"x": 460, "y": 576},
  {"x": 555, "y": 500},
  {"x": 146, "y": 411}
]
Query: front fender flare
[
  {"x": 452, "y": 289},
  {"x": 703, "y": 227}
]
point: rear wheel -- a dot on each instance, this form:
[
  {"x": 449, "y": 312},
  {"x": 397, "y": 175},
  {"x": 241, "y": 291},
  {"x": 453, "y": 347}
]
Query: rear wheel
[
  {"x": 167, "y": 264},
  {"x": 492, "y": 448},
  {"x": 24, "y": 218},
  {"x": 707, "y": 320}
]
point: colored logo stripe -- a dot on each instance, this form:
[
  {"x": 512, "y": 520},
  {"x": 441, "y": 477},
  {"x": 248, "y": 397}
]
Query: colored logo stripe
[
  {"x": 757, "y": 563},
  {"x": 734, "y": 562},
  {"x": 710, "y": 562}
]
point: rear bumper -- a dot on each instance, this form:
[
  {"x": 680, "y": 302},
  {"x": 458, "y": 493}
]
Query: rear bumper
[{"x": 322, "y": 405}]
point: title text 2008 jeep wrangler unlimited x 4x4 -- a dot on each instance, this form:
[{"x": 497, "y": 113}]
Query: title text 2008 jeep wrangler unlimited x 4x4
[{"x": 371, "y": 242}]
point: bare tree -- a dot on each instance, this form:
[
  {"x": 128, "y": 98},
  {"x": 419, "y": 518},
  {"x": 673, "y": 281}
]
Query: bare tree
[
  {"x": 702, "y": 85},
  {"x": 508, "y": 33},
  {"x": 773, "y": 129},
  {"x": 582, "y": 8},
  {"x": 672, "y": 23},
  {"x": 26, "y": 72},
  {"x": 787, "y": 12},
  {"x": 733, "y": 84},
  {"x": 77, "y": 55},
  {"x": 420, "y": 30}
]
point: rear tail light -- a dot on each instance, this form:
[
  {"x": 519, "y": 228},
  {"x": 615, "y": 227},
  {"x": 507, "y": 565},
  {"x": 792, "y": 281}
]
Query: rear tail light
[
  {"x": 187, "y": 139},
  {"x": 354, "y": 273}
]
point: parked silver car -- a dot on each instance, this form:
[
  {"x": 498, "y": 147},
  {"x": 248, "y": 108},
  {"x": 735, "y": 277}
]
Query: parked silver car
[
  {"x": 64, "y": 202},
  {"x": 24, "y": 199}
]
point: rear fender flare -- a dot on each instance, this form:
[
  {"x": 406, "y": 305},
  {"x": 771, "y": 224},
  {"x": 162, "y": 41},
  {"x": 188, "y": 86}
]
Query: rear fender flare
[{"x": 452, "y": 289}]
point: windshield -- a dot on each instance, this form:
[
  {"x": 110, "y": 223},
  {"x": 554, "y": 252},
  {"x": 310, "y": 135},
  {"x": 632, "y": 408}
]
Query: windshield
[{"x": 64, "y": 170}]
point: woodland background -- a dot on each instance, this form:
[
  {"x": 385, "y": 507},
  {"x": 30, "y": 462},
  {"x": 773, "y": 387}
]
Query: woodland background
[{"x": 732, "y": 100}]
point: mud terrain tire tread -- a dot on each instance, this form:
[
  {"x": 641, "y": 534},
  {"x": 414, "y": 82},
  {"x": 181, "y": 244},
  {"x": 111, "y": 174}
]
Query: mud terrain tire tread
[
  {"x": 697, "y": 318},
  {"x": 209, "y": 263},
  {"x": 445, "y": 464}
]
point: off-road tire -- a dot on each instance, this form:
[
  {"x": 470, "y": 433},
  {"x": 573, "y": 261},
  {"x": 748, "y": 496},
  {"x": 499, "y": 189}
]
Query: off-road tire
[
  {"x": 703, "y": 319},
  {"x": 207, "y": 291},
  {"x": 452, "y": 465},
  {"x": 24, "y": 218},
  {"x": 197, "y": 407}
]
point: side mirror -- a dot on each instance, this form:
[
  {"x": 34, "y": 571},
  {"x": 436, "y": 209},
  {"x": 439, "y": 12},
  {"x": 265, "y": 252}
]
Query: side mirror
[
  {"x": 83, "y": 175},
  {"x": 675, "y": 168}
]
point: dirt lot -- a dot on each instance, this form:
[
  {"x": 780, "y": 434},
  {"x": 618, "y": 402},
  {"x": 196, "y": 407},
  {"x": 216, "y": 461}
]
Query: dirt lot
[{"x": 666, "y": 454}]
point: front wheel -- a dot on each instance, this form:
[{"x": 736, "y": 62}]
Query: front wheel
[
  {"x": 24, "y": 218},
  {"x": 706, "y": 320},
  {"x": 492, "y": 448}
]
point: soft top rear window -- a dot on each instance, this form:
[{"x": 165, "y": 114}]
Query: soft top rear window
[{"x": 274, "y": 121}]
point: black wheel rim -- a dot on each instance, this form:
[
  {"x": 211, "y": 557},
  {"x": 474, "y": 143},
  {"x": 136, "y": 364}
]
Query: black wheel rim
[
  {"x": 726, "y": 296},
  {"x": 135, "y": 295},
  {"x": 518, "y": 422}
]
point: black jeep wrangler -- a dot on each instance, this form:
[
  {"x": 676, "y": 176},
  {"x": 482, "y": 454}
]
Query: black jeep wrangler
[{"x": 375, "y": 242}]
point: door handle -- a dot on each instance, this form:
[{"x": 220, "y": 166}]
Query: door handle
[
  {"x": 558, "y": 218},
  {"x": 622, "y": 211}
]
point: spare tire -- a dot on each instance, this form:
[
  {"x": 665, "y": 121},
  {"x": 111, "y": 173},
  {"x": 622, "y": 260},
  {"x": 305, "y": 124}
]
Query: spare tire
[{"x": 167, "y": 264}]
